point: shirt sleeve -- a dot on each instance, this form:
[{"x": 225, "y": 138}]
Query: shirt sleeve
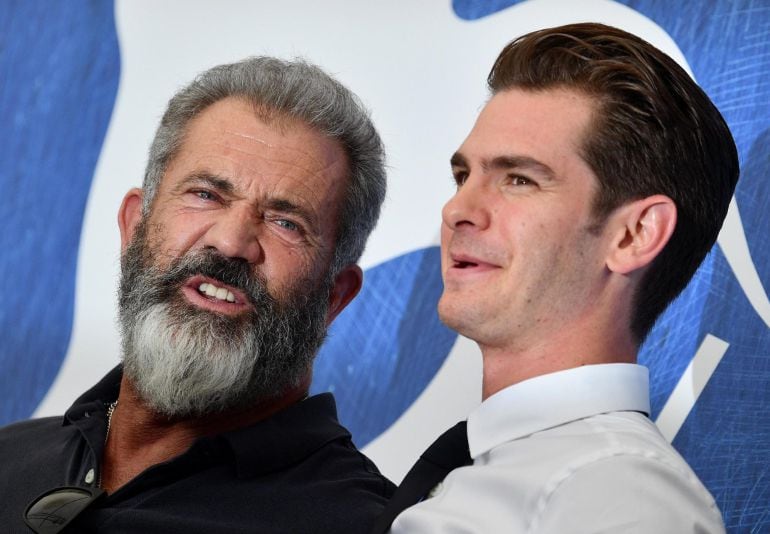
[{"x": 626, "y": 494}]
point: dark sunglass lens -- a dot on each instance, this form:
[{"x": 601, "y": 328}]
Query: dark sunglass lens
[{"x": 52, "y": 511}]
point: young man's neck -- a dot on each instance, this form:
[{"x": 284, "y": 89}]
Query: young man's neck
[{"x": 567, "y": 348}]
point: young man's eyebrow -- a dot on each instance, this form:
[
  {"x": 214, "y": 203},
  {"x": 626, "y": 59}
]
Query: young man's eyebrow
[
  {"x": 520, "y": 162},
  {"x": 507, "y": 162},
  {"x": 458, "y": 160}
]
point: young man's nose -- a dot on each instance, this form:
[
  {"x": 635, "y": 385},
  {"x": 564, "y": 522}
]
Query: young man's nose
[{"x": 468, "y": 208}]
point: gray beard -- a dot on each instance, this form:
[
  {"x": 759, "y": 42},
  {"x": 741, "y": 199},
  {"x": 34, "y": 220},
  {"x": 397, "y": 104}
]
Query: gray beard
[{"x": 188, "y": 362}]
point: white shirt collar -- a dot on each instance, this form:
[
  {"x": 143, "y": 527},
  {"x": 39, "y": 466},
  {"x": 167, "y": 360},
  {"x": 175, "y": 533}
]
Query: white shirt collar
[{"x": 554, "y": 399}]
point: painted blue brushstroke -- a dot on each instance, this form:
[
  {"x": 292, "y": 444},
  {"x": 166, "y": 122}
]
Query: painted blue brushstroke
[
  {"x": 477, "y": 9},
  {"x": 727, "y": 435},
  {"x": 386, "y": 346},
  {"x": 59, "y": 69}
]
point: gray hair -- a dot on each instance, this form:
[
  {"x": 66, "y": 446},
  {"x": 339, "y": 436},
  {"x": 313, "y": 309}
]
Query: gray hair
[{"x": 298, "y": 90}]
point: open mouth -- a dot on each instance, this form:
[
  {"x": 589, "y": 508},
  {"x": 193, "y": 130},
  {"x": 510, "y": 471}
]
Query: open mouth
[
  {"x": 213, "y": 292},
  {"x": 469, "y": 265},
  {"x": 216, "y": 296}
]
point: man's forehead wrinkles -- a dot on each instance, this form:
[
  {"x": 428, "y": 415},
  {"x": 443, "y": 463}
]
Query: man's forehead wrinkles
[
  {"x": 254, "y": 138},
  {"x": 304, "y": 161},
  {"x": 283, "y": 139}
]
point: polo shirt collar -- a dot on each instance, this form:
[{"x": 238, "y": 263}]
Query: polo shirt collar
[
  {"x": 97, "y": 398},
  {"x": 554, "y": 399},
  {"x": 287, "y": 437},
  {"x": 283, "y": 439}
]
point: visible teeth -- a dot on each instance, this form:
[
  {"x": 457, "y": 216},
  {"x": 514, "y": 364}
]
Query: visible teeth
[{"x": 219, "y": 293}]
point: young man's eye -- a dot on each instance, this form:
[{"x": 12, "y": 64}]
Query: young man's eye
[
  {"x": 460, "y": 177},
  {"x": 520, "y": 180}
]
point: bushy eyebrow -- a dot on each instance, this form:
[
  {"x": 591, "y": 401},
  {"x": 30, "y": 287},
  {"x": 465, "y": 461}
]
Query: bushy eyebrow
[
  {"x": 226, "y": 187},
  {"x": 282, "y": 205},
  {"x": 222, "y": 185},
  {"x": 506, "y": 162}
]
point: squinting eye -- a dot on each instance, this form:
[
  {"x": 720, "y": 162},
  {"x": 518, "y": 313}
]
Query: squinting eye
[
  {"x": 288, "y": 225},
  {"x": 204, "y": 195}
]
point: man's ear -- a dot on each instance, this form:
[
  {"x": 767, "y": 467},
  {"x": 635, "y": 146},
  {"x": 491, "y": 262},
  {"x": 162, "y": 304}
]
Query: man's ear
[
  {"x": 643, "y": 228},
  {"x": 129, "y": 215},
  {"x": 347, "y": 284}
]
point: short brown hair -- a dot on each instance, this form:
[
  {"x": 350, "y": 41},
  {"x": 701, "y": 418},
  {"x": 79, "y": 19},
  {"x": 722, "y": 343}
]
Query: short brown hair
[{"x": 654, "y": 132}]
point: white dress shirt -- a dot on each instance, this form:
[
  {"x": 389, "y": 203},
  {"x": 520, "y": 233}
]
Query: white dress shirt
[{"x": 568, "y": 452}]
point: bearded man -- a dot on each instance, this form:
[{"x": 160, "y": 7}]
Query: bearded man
[{"x": 264, "y": 181}]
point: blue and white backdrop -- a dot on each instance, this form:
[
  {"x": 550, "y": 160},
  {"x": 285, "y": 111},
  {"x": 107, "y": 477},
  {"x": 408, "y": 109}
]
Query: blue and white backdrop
[{"x": 83, "y": 84}]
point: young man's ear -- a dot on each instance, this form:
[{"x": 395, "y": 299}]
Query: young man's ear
[
  {"x": 129, "y": 215},
  {"x": 347, "y": 284},
  {"x": 643, "y": 228}
]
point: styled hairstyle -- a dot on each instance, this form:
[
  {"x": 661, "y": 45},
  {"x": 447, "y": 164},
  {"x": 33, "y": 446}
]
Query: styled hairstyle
[
  {"x": 654, "y": 131},
  {"x": 295, "y": 90}
]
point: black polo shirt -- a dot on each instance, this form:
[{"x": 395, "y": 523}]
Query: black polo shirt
[{"x": 295, "y": 472}]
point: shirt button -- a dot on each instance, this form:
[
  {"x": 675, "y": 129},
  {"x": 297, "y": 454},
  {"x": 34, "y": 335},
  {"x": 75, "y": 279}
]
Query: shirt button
[{"x": 90, "y": 476}]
